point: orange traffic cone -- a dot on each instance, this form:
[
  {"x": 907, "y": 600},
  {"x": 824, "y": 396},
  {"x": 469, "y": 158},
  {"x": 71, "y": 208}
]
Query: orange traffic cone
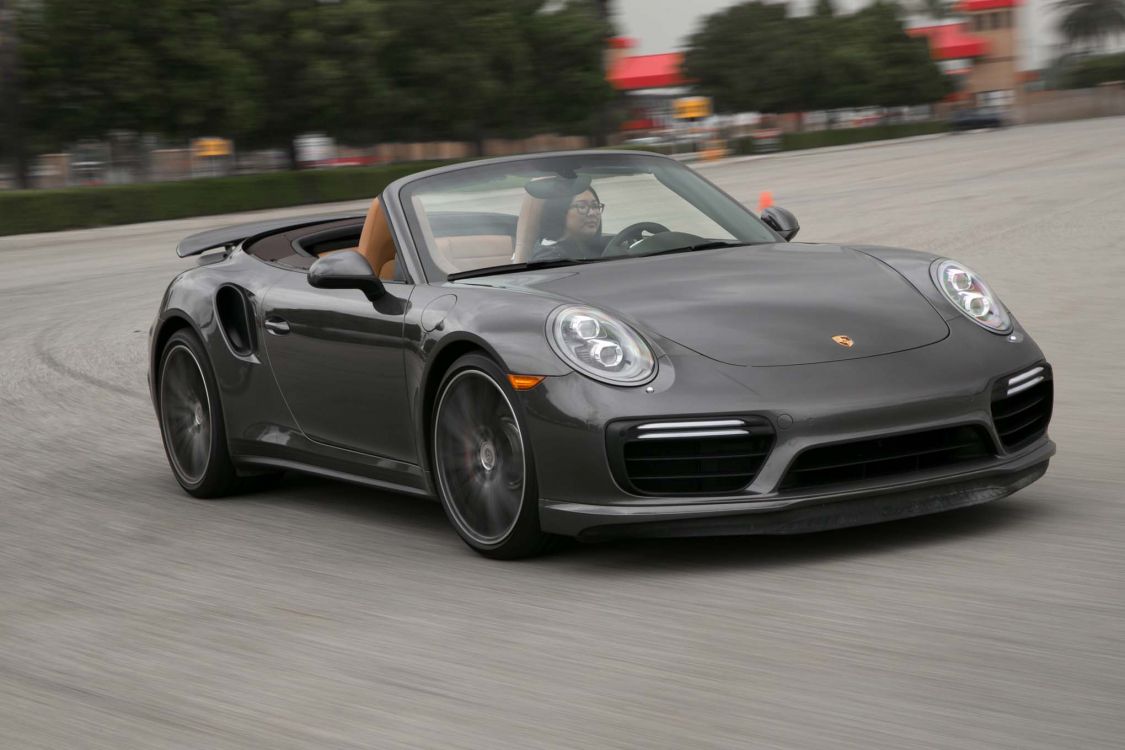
[{"x": 765, "y": 200}]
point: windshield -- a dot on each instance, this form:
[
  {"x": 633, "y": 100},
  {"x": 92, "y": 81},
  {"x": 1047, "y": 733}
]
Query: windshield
[{"x": 558, "y": 210}]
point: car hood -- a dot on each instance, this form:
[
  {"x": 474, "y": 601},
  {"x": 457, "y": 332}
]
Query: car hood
[{"x": 763, "y": 305}]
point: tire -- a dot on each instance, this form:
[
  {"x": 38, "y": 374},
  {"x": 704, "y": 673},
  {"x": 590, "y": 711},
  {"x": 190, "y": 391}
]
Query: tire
[
  {"x": 191, "y": 419},
  {"x": 484, "y": 471}
]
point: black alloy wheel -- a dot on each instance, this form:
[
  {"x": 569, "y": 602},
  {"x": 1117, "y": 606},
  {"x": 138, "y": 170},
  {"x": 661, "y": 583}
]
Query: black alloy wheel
[
  {"x": 482, "y": 461},
  {"x": 191, "y": 418}
]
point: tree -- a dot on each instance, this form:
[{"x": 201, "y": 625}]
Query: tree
[
  {"x": 753, "y": 57},
  {"x": 494, "y": 69},
  {"x": 901, "y": 69},
  {"x": 567, "y": 57},
  {"x": 740, "y": 58},
  {"x": 1091, "y": 23},
  {"x": 264, "y": 71},
  {"x": 142, "y": 65},
  {"x": 12, "y": 147},
  {"x": 311, "y": 67}
]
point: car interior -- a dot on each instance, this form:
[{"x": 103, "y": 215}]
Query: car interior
[{"x": 461, "y": 240}]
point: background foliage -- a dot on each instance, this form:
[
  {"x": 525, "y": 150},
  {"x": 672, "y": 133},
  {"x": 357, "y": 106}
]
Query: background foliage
[
  {"x": 1086, "y": 72},
  {"x": 753, "y": 56},
  {"x": 75, "y": 208},
  {"x": 262, "y": 71}
]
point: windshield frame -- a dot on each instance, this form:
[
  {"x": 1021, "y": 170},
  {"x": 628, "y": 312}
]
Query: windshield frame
[{"x": 408, "y": 230}]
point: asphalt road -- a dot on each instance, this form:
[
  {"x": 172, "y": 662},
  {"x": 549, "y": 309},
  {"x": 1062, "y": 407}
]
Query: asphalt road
[{"x": 320, "y": 615}]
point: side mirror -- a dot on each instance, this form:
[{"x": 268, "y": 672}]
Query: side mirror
[
  {"x": 346, "y": 270},
  {"x": 781, "y": 221}
]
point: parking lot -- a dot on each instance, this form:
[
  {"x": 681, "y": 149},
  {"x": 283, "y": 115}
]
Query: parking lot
[{"x": 322, "y": 615}]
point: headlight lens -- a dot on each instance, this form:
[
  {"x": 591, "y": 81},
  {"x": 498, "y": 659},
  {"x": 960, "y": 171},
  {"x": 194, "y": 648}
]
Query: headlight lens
[
  {"x": 971, "y": 296},
  {"x": 601, "y": 346}
]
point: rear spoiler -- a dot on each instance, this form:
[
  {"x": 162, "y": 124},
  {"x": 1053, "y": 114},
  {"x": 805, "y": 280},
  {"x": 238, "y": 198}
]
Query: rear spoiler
[{"x": 231, "y": 236}]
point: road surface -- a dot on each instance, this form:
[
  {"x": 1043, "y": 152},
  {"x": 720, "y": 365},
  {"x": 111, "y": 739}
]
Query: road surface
[{"x": 321, "y": 615}]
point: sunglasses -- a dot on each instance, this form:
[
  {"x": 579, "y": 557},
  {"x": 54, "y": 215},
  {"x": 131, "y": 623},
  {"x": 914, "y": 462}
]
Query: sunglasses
[{"x": 585, "y": 208}]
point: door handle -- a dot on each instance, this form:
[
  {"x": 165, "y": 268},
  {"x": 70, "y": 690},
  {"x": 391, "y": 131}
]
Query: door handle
[{"x": 277, "y": 326}]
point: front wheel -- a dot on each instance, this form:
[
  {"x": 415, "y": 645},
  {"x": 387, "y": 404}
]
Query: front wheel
[{"x": 483, "y": 466}]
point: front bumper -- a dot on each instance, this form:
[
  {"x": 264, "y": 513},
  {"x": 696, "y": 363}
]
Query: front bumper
[
  {"x": 944, "y": 385},
  {"x": 854, "y": 506}
]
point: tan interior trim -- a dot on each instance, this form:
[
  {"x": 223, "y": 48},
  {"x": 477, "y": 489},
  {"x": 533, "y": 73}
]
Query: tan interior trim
[
  {"x": 527, "y": 228},
  {"x": 375, "y": 242}
]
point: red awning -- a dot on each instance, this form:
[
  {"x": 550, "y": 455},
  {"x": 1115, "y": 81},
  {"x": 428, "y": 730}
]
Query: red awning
[
  {"x": 950, "y": 41},
  {"x": 648, "y": 72},
  {"x": 640, "y": 123},
  {"x": 970, "y": 6}
]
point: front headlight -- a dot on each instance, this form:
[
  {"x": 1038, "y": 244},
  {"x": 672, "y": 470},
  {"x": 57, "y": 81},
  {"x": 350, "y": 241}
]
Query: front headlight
[
  {"x": 971, "y": 296},
  {"x": 600, "y": 346}
]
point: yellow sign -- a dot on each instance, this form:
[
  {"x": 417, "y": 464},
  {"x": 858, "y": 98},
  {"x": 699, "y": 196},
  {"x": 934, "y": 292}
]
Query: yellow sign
[
  {"x": 691, "y": 107},
  {"x": 207, "y": 147}
]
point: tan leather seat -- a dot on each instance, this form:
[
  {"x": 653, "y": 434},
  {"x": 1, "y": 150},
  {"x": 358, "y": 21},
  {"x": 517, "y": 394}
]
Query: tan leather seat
[
  {"x": 472, "y": 251},
  {"x": 375, "y": 243},
  {"x": 527, "y": 228}
]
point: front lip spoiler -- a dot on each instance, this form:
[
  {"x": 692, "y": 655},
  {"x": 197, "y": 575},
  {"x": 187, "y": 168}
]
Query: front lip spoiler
[{"x": 831, "y": 510}]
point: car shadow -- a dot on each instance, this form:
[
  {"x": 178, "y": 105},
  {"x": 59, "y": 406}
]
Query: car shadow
[
  {"x": 426, "y": 518},
  {"x": 363, "y": 504}
]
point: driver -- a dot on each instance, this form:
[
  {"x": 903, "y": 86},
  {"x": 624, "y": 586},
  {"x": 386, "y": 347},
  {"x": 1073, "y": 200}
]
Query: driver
[{"x": 571, "y": 228}]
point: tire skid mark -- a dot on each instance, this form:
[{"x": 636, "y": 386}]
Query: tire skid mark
[{"x": 44, "y": 355}]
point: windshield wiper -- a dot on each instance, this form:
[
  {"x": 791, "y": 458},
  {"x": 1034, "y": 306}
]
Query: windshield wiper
[
  {"x": 709, "y": 245},
  {"x": 531, "y": 265}
]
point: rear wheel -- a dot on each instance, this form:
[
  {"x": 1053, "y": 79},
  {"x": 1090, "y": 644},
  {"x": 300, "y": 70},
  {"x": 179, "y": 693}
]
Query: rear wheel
[
  {"x": 191, "y": 418},
  {"x": 483, "y": 467}
]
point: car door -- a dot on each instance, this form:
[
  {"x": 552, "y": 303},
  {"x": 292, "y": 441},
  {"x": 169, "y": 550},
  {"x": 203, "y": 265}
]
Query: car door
[{"x": 339, "y": 361}]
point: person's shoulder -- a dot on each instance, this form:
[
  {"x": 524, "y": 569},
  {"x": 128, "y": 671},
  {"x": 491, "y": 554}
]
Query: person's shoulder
[{"x": 549, "y": 250}]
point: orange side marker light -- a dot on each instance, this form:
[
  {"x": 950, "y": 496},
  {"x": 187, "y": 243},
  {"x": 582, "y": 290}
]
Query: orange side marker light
[{"x": 525, "y": 382}]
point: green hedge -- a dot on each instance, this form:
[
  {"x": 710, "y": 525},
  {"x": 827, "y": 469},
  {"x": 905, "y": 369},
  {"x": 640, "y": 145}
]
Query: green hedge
[
  {"x": 23, "y": 211},
  {"x": 845, "y": 136},
  {"x": 819, "y": 138},
  {"x": 1091, "y": 71}
]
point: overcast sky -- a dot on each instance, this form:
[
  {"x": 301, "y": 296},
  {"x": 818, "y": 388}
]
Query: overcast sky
[{"x": 662, "y": 25}]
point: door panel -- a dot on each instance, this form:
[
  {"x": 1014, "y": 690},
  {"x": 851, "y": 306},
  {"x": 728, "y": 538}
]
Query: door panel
[{"x": 338, "y": 359}]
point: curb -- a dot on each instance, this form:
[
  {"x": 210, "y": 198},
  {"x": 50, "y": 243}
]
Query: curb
[{"x": 814, "y": 151}]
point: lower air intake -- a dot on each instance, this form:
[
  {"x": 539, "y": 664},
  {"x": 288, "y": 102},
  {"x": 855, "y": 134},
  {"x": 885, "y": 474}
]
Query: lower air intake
[
  {"x": 888, "y": 456},
  {"x": 704, "y": 456}
]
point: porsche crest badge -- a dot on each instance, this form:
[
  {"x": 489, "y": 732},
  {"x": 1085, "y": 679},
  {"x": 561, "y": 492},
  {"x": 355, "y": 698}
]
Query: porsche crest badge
[{"x": 844, "y": 341}]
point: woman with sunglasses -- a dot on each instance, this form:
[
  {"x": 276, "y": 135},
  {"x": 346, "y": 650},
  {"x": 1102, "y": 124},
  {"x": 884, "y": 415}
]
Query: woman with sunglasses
[{"x": 571, "y": 228}]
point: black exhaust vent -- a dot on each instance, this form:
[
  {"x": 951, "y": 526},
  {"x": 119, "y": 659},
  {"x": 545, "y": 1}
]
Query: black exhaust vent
[
  {"x": 1021, "y": 406},
  {"x": 688, "y": 456},
  {"x": 888, "y": 456}
]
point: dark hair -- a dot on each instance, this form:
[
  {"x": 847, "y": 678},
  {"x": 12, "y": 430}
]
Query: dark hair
[{"x": 553, "y": 224}]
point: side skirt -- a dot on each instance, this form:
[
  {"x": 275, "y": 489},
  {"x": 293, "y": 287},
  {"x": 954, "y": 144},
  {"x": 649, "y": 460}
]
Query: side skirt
[{"x": 254, "y": 464}]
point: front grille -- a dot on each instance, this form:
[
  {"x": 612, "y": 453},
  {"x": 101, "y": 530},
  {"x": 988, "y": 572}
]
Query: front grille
[
  {"x": 704, "y": 456},
  {"x": 888, "y": 456},
  {"x": 1021, "y": 406}
]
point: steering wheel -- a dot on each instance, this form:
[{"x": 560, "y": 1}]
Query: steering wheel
[{"x": 624, "y": 241}]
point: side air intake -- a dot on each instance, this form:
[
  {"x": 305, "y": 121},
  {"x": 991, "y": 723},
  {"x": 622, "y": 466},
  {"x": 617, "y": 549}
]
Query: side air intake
[{"x": 1021, "y": 406}]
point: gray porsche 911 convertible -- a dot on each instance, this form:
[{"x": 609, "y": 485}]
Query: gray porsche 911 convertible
[{"x": 594, "y": 344}]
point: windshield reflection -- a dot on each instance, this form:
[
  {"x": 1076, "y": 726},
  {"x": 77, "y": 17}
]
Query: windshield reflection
[{"x": 564, "y": 210}]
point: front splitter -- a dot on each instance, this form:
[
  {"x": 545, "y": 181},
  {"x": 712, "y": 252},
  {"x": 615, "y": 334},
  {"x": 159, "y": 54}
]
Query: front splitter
[{"x": 801, "y": 515}]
